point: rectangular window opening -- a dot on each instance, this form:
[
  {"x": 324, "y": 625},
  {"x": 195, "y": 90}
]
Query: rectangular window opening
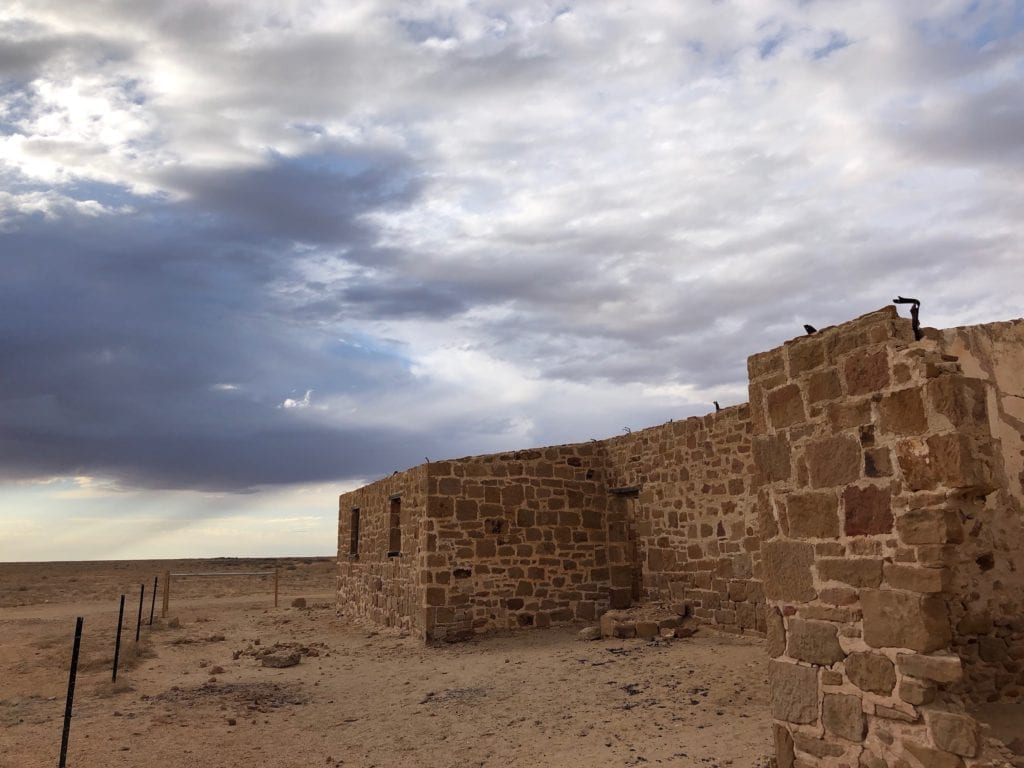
[
  {"x": 395, "y": 527},
  {"x": 353, "y": 549}
]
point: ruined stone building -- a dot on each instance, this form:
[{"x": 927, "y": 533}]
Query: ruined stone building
[{"x": 864, "y": 512}]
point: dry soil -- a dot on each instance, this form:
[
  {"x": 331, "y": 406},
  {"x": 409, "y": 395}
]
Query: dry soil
[{"x": 193, "y": 691}]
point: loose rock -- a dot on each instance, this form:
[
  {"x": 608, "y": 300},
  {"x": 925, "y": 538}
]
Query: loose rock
[{"x": 281, "y": 660}]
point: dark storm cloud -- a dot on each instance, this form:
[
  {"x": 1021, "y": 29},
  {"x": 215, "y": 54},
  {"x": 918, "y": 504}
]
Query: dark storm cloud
[
  {"x": 314, "y": 199},
  {"x": 119, "y": 329}
]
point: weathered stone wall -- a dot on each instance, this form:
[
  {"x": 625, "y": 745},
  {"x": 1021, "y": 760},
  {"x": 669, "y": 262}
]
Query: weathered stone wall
[
  {"x": 693, "y": 514},
  {"x": 989, "y": 577},
  {"x": 871, "y": 449},
  {"x": 866, "y": 509},
  {"x": 515, "y": 540},
  {"x": 371, "y": 584}
]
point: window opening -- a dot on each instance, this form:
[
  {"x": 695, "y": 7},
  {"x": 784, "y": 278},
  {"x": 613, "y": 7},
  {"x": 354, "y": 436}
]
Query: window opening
[
  {"x": 395, "y": 519},
  {"x": 353, "y": 549}
]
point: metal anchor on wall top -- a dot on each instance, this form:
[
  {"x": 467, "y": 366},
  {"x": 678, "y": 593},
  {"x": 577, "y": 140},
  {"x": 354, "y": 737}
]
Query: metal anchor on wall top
[{"x": 915, "y": 308}]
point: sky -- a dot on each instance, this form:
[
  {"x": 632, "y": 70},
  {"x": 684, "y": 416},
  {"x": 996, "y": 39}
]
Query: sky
[{"x": 256, "y": 254}]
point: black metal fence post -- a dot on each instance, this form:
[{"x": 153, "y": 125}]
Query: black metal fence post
[
  {"x": 138, "y": 621},
  {"x": 152, "y": 605},
  {"x": 71, "y": 693},
  {"x": 117, "y": 642}
]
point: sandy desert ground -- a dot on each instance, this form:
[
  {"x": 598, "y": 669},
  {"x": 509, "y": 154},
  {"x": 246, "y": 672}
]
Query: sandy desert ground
[{"x": 196, "y": 694}]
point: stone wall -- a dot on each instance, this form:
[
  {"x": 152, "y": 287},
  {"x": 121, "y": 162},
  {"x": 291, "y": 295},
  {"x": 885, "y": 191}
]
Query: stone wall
[
  {"x": 693, "y": 514},
  {"x": 373, "y": 584},
  {"x": 515, "y": 540},
  {"x": 558, "y": 534},
  {"x": 866, "y": 510},
  {"x": 871, "y": 450},
  {"x": 989, "y": 576}
]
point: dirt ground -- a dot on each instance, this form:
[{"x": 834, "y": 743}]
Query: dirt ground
[{"x": 196, "y": 694}]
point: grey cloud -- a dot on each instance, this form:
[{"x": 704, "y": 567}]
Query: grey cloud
[
  {"x": 635, "y": 207},
  {"x": 979, "y": 126},
  {"x": 117, "y": 327},
  {"x": 314, "y": 198}
]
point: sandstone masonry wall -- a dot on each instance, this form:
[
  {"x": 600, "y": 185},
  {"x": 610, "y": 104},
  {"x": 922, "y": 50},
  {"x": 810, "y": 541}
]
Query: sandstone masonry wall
[
  {"x": 515, "y": 540},
  {"x": 373, "y": 585},
  {"x": 871, "y": 449},
  {"x": 989, "y": 577},
  {"x": 693, "y": 514}
]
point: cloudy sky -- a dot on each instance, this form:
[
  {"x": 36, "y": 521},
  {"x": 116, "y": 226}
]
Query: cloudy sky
[{"x": 254, "y": 254}]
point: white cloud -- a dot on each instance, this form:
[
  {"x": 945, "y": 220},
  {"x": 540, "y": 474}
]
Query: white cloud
[{"x": 305, "y": 402}]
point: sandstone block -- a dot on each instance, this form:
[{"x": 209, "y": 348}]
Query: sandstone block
[
  {"x": 486, "y": 548},
  {"x": 838, "y": 595},
  {"x": 902, "y": 413},
  {"x": 833, "y": 461},
  {"x": 928, "y": 580},
  {"x": 869, "y": 759},
  {"x": 916, "y": 692},
  {"x": 954, "y": 733},
  {"x": 877, "y": 462},
  {"x": 866, "y": 371},
  {"x": 449, "y": 486},
  {"x": 776, "y": 633},
  {"x": 805, "y": 354},
  {"x": 960, "y": 400},
  {"x": 868, "y": 510},
  {"x": 828, "y": 677},
  {"x": 932, "y": 758},
  {"x": 846, "y": 415},
  {"x": 608, "y": 621},
  {"x": 785, "y": 406},
  {"x": 646, "y": 629},
  {"x": 824, "y": 385},
  {"x": 794, "y": 692},
  {"x": 944, "y": 668},
  {"x": 814, "y": 641},
  {"x": 992, "y": 649},
  {"x": 767, "y": 528},
  {"x": 772, "y": 456},
  {"x": 787, "y": 570},
  {"x": 891, "y": 713},
  {"x": 512, "y": 495},
  {"x": 813, "y": 515},
  {"x": 816, "y": 747},
  {"x": 624, "y": 630},
  {"x": 620, "y": 597},
  {"x": 783, "y": 746},
  {"x": 858, "y": 572},
  {"x": 871, "y": 672},
  {"x": 898, "y": 619},
  {"x": 935, "y": 525},
  {"x": 765, "y": 363},
  {"x": 843, "y": 715},
  {"x": 955, "y": 460},
  {"x": 975, "y": 623}
]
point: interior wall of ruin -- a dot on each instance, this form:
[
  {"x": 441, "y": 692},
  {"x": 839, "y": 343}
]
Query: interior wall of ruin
[
  {"x": 989, "y": 578},
  {"x": 694, "y": 522},
  {"x": 373, "y": 584},
  {"x": 515, "y": 540}
]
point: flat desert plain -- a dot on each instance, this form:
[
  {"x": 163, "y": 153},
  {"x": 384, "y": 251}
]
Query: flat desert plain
[{"x": 194, "y": 691}]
